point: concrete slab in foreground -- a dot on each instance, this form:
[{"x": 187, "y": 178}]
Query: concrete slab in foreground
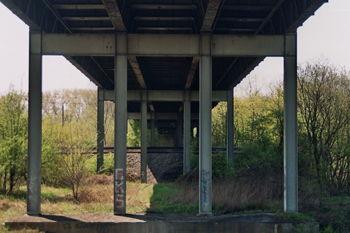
[{"x": 154, "y": 223}]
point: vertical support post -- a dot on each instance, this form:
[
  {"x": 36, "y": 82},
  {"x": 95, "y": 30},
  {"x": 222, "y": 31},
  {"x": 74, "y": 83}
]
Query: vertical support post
[
  {"x": 290, "y": 125},
  {"x": 153, "y": 130},
  {"x": 179, "y": 130},
  {"x": 120, "y": 91},
  {"x": 34, "y": 124},
  {"x": 187, "y": 133},
  {"x": 100, "y": 128},
  {"x": 205, "y": 146},
  {"x": 144, "y": 137},
  {"x": 230, "y": 126}
]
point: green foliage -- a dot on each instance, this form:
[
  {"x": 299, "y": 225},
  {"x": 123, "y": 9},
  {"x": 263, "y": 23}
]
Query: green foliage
[
  {"x": 50, "y": 168},
  {"x": 108, "y": 164},
  {"x": 258, "y": 161},
  {"x": 77, "y": 148},
  {"x": 134, "y": 135},
  {"x": 219, "y": 124},
  {"x": 13, "y": 140},
  {"x": 221, "y": 167}
]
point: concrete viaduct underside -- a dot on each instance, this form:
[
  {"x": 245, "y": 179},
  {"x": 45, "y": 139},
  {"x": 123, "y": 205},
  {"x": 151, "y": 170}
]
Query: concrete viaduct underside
[{"x": 164, "y": 59}]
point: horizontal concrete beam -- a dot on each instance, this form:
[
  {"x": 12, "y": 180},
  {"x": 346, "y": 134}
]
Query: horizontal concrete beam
[
  {"x": 166, "y": 96},
  {"x": 160, "y": 116},
  {"x": 181, "y": 45}
]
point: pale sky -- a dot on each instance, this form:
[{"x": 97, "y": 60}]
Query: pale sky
[{"x": 326, "y": 34}]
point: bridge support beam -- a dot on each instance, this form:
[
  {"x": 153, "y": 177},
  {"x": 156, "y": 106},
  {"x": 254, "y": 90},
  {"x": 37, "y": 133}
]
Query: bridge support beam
[
  {"x": 144, "y": 138},
  {"x": 205, "y": 146},
  {"x": 34, "y": 125},
  {"x": 290, "y": 126},
  {"x": 230, "y": 135},
  {"x": 100, "y": 128},
  {"x": 186, "y": 135},
  {"x": 120, "y": 87}
]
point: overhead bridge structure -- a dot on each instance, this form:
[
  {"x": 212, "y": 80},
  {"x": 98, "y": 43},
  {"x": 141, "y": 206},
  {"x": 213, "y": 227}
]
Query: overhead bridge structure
[{"x": 167, "y": 60}]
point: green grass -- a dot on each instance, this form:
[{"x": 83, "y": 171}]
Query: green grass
[
  {"x": 302, "y": 217},
  {"x": 165, "y": 200}
]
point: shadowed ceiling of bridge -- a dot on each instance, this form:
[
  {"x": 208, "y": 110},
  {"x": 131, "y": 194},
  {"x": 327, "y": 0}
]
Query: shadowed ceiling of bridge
[{"x": 249, "y": 17}]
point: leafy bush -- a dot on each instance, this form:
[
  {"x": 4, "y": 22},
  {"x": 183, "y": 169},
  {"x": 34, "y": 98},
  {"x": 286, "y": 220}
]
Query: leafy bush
[{"x": 13, "y": 140}]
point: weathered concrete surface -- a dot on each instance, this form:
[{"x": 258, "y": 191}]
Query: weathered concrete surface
[{"x": 154, "y": 223}]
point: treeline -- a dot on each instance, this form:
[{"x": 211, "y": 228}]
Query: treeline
[
  {"x": 69, "y": 126},
  {"x": 323, "y": 129},
  {"x": 69, "y": 133}
]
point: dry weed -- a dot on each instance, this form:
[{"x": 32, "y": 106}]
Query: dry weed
[
  {"x": 4, "y": 205},
  {"x": 235, "y": 194},
  {"x": 246, "y": 193},
  {"x": 97, "y": 180},
  {"x": 96, "y": 194}
]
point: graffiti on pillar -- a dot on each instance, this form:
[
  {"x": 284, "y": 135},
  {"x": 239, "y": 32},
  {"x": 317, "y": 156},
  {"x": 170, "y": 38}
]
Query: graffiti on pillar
[
  {"x": 143, "y": 175},
  {"x": 119, "y": 190},
  {"x": 205, "y": 178}
]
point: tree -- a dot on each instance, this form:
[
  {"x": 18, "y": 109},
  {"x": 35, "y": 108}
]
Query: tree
[
  {"x": 13, "y": 139},
  {"x": 324, "y": 107},
  {"x": 77, "y": 146},
  {"x": 219, "y": 124}
]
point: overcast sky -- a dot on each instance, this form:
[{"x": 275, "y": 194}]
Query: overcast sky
[{"x": 326, "y": 34}]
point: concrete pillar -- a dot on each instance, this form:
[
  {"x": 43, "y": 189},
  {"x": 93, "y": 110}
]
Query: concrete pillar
[
  {"x": 230, "y": 145},
  {"x": 290, "y": 125},
  {"x": 120, "y": 87},
  {"x": 187, "y": 134},
  {"x": 144, "y": 138},
  {"x": 153, "y": 130},
  {"x": 34, "y": 124},
  {"x": 205, "y": 146},
  {"x": 179, "y": 131},
  {"x": 100, "y": 129}
]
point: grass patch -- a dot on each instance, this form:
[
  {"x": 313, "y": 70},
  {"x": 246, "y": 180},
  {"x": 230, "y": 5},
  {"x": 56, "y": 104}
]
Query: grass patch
[
  {"x": 163, "y": 199},
  {"x": 302, "y": 217}
]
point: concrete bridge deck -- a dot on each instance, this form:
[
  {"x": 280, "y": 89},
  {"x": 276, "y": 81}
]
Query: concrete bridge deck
[{"x": 107, "y": 222}]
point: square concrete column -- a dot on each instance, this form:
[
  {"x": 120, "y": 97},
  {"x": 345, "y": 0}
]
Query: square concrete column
[
  {"x": 100, "y": 128},
  {"x": 120, "y": 90},
  {"x": 290, "y": 125},
  {"x": 144, "y": 137},
  {"x": 153, "y": 130},
  {"x": 230, "y": 126},
  {"x": 187, "y": 133},
  {"x": 179, "y": 126},
  {"x": 34, "y": 124},
  {"x": 205, "y": 145}
]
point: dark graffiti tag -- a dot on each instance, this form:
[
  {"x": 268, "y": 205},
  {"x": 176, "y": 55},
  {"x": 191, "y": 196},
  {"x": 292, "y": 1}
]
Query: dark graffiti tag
[{"x": 119, "y": 190}]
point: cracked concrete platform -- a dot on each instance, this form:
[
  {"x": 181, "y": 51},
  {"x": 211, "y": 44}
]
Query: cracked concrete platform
[{"x": 154, "y": 223}]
